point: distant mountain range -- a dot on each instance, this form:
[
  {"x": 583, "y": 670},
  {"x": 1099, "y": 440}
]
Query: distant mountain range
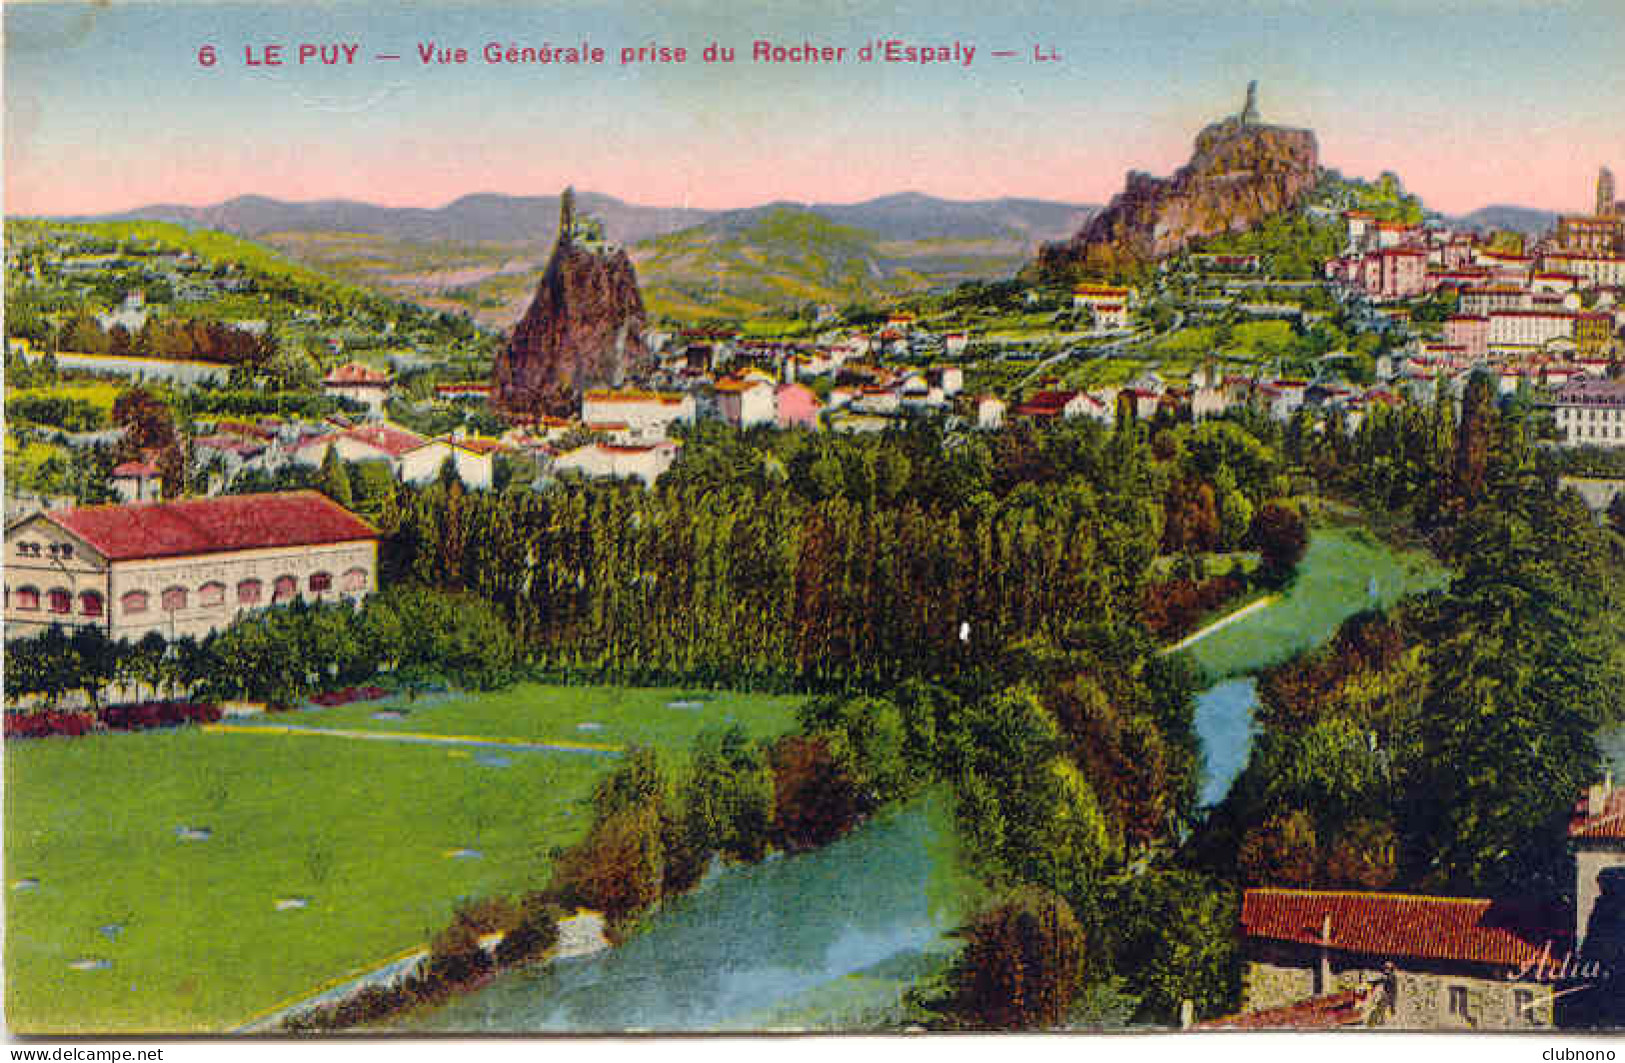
[
  {"x": 534, "y": 219},
  {"x": 1527, "y": 220},
  {"x": 481, "y": 253}
]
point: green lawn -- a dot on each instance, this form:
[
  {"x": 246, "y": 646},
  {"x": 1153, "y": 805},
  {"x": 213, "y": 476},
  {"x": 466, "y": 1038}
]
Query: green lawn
[
  {"x": 667, "y": 717},
  {"x": 361, "y": 828},
  {"x": 1333, "y": 583}
]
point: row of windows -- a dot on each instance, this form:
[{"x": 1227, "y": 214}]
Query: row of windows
[
  {"x": 58, "y": 550},
  {"x": 1591, "y": 413},
  {"x": 57, "y": 600},
  {"x": 173, "y": 599},
  {"x": 249, "y": 591}
]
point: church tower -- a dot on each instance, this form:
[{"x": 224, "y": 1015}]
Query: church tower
[{"x": 1605, "y": 193}]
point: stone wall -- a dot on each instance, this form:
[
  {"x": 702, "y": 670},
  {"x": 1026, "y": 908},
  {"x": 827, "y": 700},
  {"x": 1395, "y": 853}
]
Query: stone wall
[{"x": 1277, "y": 974}]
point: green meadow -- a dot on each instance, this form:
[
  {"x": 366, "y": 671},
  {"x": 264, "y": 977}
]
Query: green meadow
[
  {"x": 117, "y": 923},
  {"x": 1345, "y": 570}
]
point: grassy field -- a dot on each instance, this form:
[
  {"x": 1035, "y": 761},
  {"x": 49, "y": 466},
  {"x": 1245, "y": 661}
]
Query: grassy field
[
  {"x": 99, "y": 393},
  {"x": 612, "y": 716},
  {"x": 1334, "y": 581},
  {"x": 194, "y": 939}
]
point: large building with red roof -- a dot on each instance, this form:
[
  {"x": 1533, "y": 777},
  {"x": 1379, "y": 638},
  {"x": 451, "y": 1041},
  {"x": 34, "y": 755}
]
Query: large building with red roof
[{"x": 182, "y": 568}]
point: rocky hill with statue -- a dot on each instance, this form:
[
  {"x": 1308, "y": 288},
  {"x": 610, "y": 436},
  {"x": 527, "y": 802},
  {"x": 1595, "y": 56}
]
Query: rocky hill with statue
[
  {"x": 584, "y": 328},
  {"x": 1241, "y": 172}
]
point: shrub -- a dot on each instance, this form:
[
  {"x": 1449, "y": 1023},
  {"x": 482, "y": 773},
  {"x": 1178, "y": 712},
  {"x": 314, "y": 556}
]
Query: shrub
[
  {"x": 535, "y": 931},
  {"x": 455, "y": 955},
  {"x": 1021, "y": 963},
  {"x": 1281, "y": 851},
  {"x": 814, "y": 801}
]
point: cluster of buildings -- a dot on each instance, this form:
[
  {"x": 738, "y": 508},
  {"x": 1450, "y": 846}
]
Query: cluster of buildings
[
  {"x": 1322, "y": 959},
  {"x": 1209, "y": 393}
]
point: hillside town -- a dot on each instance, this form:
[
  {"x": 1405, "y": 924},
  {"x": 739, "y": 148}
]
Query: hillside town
[{"x": 976, "y": 546}]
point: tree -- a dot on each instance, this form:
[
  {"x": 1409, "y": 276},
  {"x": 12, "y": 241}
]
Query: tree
[
  {"x": 1282, "y": 851},
  {"x": 1172, "y": 939},
  {"x": 333, "y": 480},
  {"x": 728, "y": 799},
  {"x": 1021, "y": 965},
  {"x": 1281, "y": 537},
  {"x": 814, "y": 801},
  {"x": 1363, "y": 857}
]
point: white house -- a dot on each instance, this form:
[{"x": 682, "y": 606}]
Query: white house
[
  {"x": 646, "y": 462},
  {"x": 746, "y": 401},
  {"x": 647, "y": 415},
  {"x": 137, "y": 481},
  {"x": 990, "y": 412},
  {"x": 473, "y": 458},
  {"x": 361, "y": 384}
]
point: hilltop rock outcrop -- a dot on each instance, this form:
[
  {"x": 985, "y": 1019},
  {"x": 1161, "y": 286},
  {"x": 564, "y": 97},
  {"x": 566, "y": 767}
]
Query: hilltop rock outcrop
[
  {"x": 584, "y": 328},
  {"x": 1240, "y": 173}
]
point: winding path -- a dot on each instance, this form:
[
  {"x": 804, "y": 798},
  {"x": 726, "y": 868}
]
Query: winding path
[
  {"x": 419, "y": 739},
  {"x": 1223, "y": 622}
]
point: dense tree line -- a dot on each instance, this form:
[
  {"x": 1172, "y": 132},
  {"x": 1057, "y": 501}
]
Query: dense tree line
[
  {"x": 417, "y": 636},
  {"x": 795, "y": 561},
  {"x": 1440, "y": 747}
]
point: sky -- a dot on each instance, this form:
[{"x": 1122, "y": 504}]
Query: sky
[{"x": 108, "y": 106}]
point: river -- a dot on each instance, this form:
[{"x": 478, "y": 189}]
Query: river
[
  {"x": 824, "y": 940},
  {"x": 831, "y": 939},
  {"x": 1343, "y": 571}
]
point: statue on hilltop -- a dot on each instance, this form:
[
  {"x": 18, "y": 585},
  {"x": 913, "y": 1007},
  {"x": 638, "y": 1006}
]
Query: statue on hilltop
[{"x": 1249, "y": 110}]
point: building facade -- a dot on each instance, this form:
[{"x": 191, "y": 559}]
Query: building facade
[
  {"x": 1441, "y": 962},
  {"x": 183, "y": 568}
]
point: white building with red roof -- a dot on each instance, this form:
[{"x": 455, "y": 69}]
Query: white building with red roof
[
  {"x": 372, "y": 442},
  {"x": 186, "y": 567},
  {"x": 647, "y": 415},
  {"x": 473, "y": 457},
  {"x": 359, "y": 383},
  {"x": 1597, "y": 836},
  {"x": 646, "y": 462},
  {"x": 137, "y": 481}
]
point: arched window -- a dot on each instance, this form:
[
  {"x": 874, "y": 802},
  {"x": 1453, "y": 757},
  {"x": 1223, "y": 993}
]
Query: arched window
[
  {"x": 60, "y": 600},
  {"x": 90, "y": 603},
  {"x": 321, "y": 581},
  {"x": 249, "y": 591},
  {"x": 355, "y": 579},
  {"x": 134, "y": 602},
  {"x": 174, "y": 598},
  {"x": 283, "y": 588},
  {"x": 26, "y": 598},
  {"x": 211, "y": 593}
]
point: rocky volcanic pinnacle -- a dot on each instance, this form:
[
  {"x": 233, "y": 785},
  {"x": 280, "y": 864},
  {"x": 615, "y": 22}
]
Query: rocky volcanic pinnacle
[
  {"x": 584, "y": 328},
  {"x": 1241, "y": 173}
]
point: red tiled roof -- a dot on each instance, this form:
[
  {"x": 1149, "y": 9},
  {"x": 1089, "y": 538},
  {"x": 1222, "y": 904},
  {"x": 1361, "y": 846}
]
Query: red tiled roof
[
  {"x": 1317, "y": 1013},
  {"x": 1463, "y": 929},
  {"x": 212, "y": 525},
  {"x": 476, "y": 445},
  {"x": 354, "y": 373},
  {"x": 235, "y": 444},
  {"x": 392, "y": 441},
  {"x": 135, "y": 468},
  {"x": 1608, "y": 822}
]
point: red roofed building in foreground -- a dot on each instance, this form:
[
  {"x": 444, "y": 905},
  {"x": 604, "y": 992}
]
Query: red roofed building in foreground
[
  {"x": 1442, "y": 962},
  {"x": 183, "y": 568}
]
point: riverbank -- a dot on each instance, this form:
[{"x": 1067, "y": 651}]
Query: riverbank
[{"x": 827, "y": 939}]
